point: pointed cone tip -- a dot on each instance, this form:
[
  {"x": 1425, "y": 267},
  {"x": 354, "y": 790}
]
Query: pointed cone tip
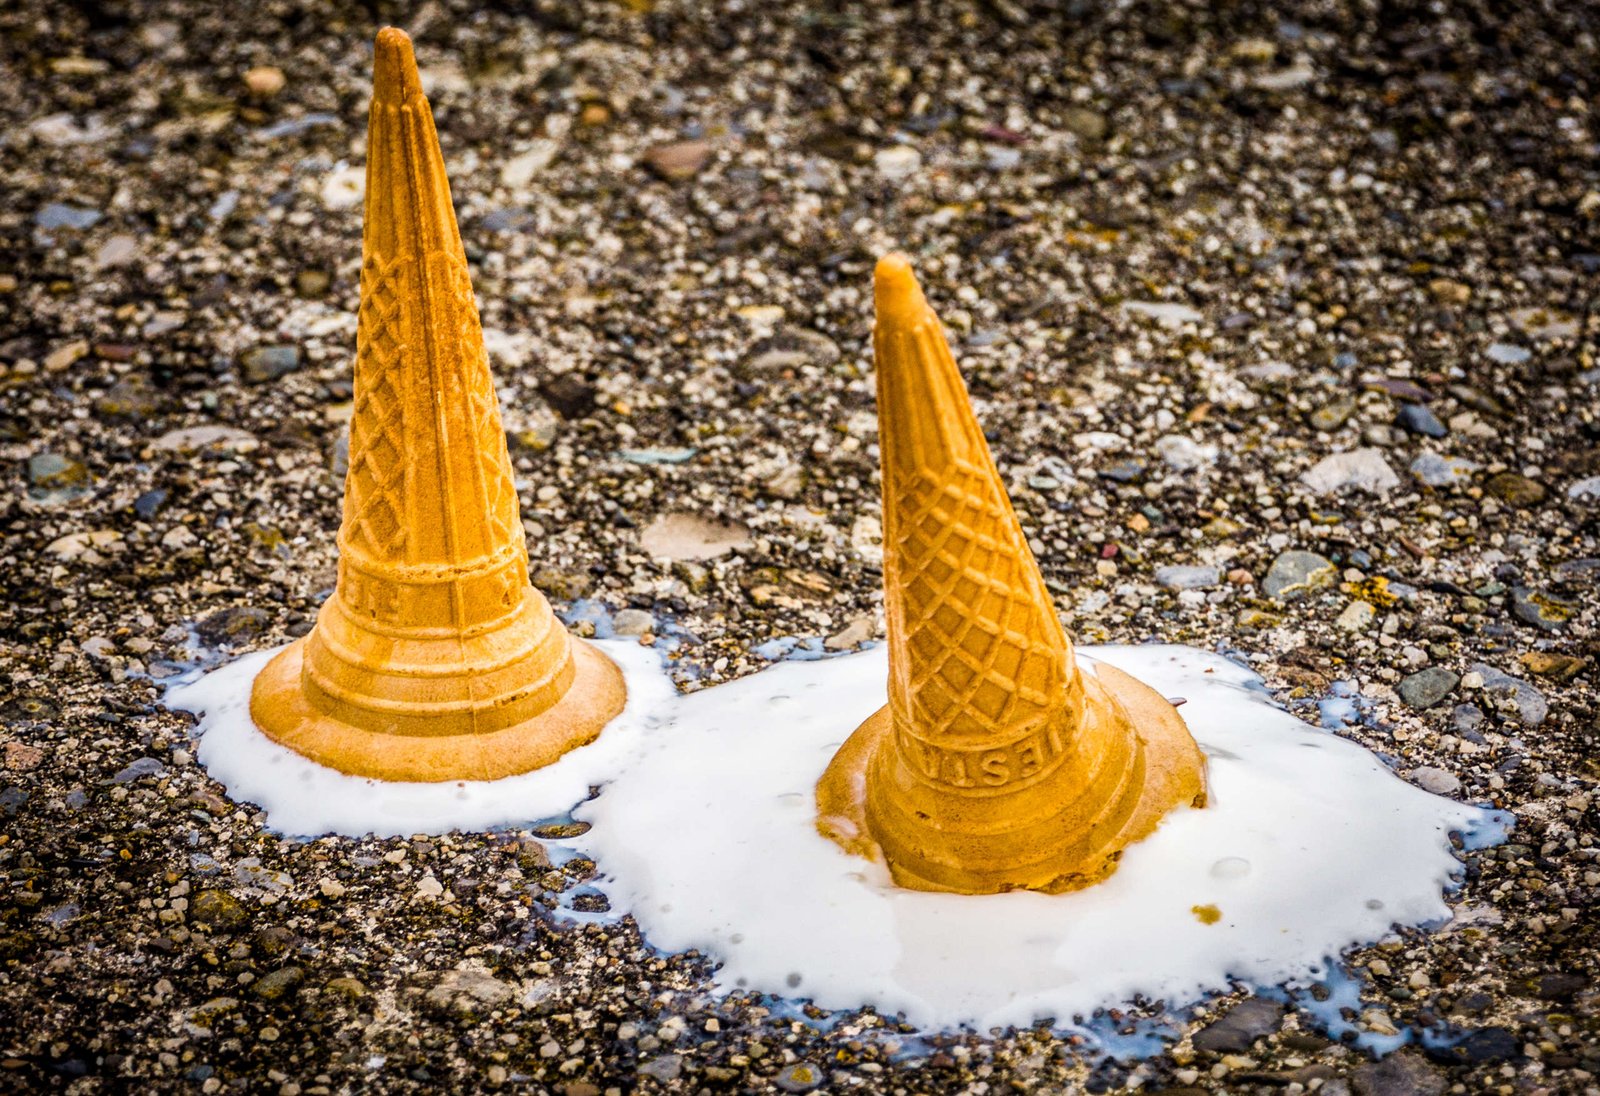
[
  {"x": 394, "y": 68},
  {"x": 898, "y": 297}
]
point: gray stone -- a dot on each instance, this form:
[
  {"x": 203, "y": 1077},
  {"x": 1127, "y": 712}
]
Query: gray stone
[
  {"x": 1430, "y": 778},
  {"x": 1358, "y": 470},
  {"x": 464, "y": 993},
  {"x": 1559, "y": 986},
  {"x": 897, "y": 162},
  {"x": 1530, "y": 703},
  {"x": 128, "y": 399},
  {"x": 1437, "y": 471},
  {"x": 1467, "y": 718},
  {"x": 1333, "y": 414},
  {"x": 799, "y": 1077},
  {"x": 266, "y": 363},
  {"x": 633, "y": 622},
  {"x": 1125, "y": 471},
  {"x": 1489, "y": 1044},
  {"x": 1585, "y": 490},
  {"x": 1583, "y": 571},
  {"x": 55, "y": 478},
  {"x": 1183, "y": 454},
  {"x": 339, "y": 458},
  {"x": 1167, "y": 313},
  {"x": 1508, "y": 353},
  {"x": 1417, "y": 419},
  {"x": 1188, "y": 578},
  {"x": 664, "y": 1068},
  {"x": 1541, "y": 610},
  {"x": 145, "y": 766},
  {"x": 1295, "y": 573},
  {"x": 205, "y": 437},
  {"x": 1003, "y": 159},
  {"x": 292, "y": 126},
  {"x": 852, "y": 635},
  {"x": 117, "y": 251},
  {"x": 1286, "y": 79},
  {"x": 692, "y": 537},
  {"x": 507, "y": 220},
  {"x": 1356, "y": 617},
  {"x": 1269, "y": 372},
  {"x": 792, "y": 348},
  {"x": 61, "y": 215},
  {"x": 223, "y": 207},
  {"x": 1403, "y": 1073},
  {"x": 1243, "y": 1024},
  {"x": 657, "y": 455},
  {"x": 1425, "y": 688},
  {"x": 258, "y": 881}
]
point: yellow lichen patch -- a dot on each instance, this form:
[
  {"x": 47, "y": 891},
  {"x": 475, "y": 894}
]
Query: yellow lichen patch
[
  {"x": 1100, "y": 239},
  {"x": 1206, "y": 915},
  {"x": 1374, "y": 591},
  {"x": 1551, "y": 610}
]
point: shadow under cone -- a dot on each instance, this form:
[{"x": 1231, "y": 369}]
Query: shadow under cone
[
  {"x": 999, "y": 763},
  {"x": 434, "y": 659}
]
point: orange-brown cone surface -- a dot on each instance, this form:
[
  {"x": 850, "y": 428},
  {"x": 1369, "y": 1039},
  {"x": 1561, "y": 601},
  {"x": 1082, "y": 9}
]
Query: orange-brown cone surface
[
  {"x": 434, "y": 659},
  {"x": 999, "y": 763}
]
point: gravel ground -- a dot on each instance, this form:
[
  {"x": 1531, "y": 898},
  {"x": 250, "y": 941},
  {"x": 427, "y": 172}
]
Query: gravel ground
[{"x": 1280, "y": 322}]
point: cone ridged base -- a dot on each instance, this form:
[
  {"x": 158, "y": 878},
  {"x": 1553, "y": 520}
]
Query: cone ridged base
[
  {"x": 1078, "y": 847},
  {"x": 283, "y": 710}
]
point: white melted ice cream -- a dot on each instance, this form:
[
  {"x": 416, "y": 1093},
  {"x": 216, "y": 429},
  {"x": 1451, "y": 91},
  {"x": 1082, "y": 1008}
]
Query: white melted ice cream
[{"x": 704, "y": 830}]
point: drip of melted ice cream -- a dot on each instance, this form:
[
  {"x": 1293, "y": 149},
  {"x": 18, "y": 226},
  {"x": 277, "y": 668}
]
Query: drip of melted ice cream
[{"x": 704, "y": 831}]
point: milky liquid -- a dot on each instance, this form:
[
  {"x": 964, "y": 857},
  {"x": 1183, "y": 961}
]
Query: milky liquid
[{"x": 705, "y": 832}]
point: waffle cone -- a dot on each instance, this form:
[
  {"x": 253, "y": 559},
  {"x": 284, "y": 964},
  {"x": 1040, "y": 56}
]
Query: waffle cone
[
  {"x": 434, "y": 659},
  {"x": 999, "y": 763}
]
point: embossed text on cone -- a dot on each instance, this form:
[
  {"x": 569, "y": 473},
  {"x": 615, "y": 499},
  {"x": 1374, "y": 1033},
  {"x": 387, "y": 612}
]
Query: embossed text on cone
[
  {"x": 999, "y": 763},
  {"x": 434, "y": 659}
]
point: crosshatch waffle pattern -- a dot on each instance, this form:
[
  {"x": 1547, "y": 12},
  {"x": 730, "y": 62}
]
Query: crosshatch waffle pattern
[
  {"x": 402, "y": 371},
  {"x": 985, "y": 657},
  {"x": 375, "y": 484}
]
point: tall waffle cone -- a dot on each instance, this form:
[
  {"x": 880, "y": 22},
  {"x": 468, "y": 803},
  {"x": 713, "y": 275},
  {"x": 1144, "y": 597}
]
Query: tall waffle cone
[
  {"x": 434, "y": 659},
  {"x": 999, "y": 763}
]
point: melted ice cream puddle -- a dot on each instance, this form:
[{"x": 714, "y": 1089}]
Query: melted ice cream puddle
[{"x": 705, "y": 833}]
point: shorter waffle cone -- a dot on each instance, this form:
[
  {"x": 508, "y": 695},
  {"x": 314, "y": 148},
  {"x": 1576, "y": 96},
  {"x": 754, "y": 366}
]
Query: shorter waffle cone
[
  {"x": 999, "y": 763},
  {"x": 434, "y": 659}
]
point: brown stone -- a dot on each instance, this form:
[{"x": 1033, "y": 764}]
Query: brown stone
[
  {"x": 678, "y": 160},
  {"x": 1556, "y": 666}
]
